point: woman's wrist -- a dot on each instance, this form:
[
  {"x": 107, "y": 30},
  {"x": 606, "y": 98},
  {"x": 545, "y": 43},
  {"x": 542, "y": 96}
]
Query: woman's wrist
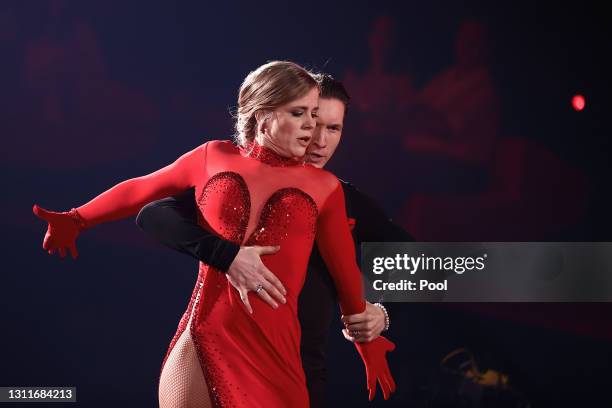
[{"x": 77, "y": 218}]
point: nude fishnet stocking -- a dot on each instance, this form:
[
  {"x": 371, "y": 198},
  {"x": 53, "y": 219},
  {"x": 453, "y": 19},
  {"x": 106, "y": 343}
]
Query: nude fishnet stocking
[{"x": 182, "y": 383}]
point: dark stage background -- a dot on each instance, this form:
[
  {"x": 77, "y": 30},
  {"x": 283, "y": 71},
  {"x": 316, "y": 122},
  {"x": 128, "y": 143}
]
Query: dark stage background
[{"x": 461, "y": 125}]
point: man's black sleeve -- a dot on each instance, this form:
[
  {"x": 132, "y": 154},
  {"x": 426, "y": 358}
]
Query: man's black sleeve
[{"x": 173, "y": 222}]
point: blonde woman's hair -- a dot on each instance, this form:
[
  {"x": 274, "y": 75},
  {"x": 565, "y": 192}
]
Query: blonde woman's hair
[{"x": 265, "y": 89}]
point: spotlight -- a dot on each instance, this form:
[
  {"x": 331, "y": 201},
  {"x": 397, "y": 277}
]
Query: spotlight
[{"x": 578, "y": 102}]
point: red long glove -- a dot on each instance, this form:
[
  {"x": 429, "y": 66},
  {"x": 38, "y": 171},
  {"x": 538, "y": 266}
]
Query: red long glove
[
  {"x": 123, "y": 200},
  {"x": 337, "y": 248},
  {"x": 374, "y": 358}
]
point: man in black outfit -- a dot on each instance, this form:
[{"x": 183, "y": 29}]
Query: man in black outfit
[{"x": 173, "y": 221}]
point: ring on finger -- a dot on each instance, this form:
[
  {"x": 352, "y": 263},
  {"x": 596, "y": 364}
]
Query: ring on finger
[{"x": 258, "y": 288}]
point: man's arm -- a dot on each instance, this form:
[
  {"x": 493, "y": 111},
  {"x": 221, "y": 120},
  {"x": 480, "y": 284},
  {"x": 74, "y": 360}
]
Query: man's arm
[{"x": 173, "y": 222}]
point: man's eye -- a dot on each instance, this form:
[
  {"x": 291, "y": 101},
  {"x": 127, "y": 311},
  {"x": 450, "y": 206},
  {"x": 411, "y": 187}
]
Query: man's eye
[
  {"x": 315, "y": 114},
  {"x": 297, "y": 113}
]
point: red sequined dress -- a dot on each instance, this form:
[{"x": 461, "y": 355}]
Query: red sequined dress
[{"x": 253, "y": 196}]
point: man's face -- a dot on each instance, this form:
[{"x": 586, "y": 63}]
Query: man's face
[{"x": 330, "y": 121}]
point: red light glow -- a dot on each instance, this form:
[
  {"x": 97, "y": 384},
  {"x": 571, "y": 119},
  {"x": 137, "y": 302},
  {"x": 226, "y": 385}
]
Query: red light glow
[{"x": 578, "y": 102}]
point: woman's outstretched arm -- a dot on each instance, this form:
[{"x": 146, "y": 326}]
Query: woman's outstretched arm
[{"x": 122, "y": 200}]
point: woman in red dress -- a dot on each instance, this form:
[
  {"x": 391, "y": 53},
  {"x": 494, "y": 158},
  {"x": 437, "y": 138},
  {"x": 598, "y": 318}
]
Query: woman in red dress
[{"x": 255, "y": 192}]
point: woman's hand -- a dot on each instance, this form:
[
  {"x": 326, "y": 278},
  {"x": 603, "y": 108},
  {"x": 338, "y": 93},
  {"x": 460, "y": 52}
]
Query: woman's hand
[
  {"x": 247, "y": 272},
  {"x": 374, "y": 357},
  {"x": 62, "y": 231}
]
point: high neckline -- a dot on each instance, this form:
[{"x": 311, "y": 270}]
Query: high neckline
[{"x": 269, "y": 156}]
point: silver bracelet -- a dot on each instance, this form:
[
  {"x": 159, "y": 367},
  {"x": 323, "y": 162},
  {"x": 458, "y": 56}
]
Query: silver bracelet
[{"x": 387, "y": 321}]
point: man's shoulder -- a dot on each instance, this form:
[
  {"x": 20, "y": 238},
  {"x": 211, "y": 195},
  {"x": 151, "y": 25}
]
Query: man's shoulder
[
  {"x": 351, "y": 190},
  {"x": 347, "y": 185}
]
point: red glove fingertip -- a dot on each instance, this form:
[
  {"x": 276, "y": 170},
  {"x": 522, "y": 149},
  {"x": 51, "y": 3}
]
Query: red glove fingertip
[
  {"x": 386, "y": 390},
  {"x": 39, "y": 211}
]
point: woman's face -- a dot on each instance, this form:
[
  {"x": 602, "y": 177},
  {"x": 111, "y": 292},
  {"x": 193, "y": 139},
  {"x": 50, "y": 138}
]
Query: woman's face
[{"x": 290, "y": 128}]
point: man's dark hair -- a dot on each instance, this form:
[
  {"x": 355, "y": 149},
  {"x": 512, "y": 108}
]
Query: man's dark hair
[{"x": 332, "y": 89}]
